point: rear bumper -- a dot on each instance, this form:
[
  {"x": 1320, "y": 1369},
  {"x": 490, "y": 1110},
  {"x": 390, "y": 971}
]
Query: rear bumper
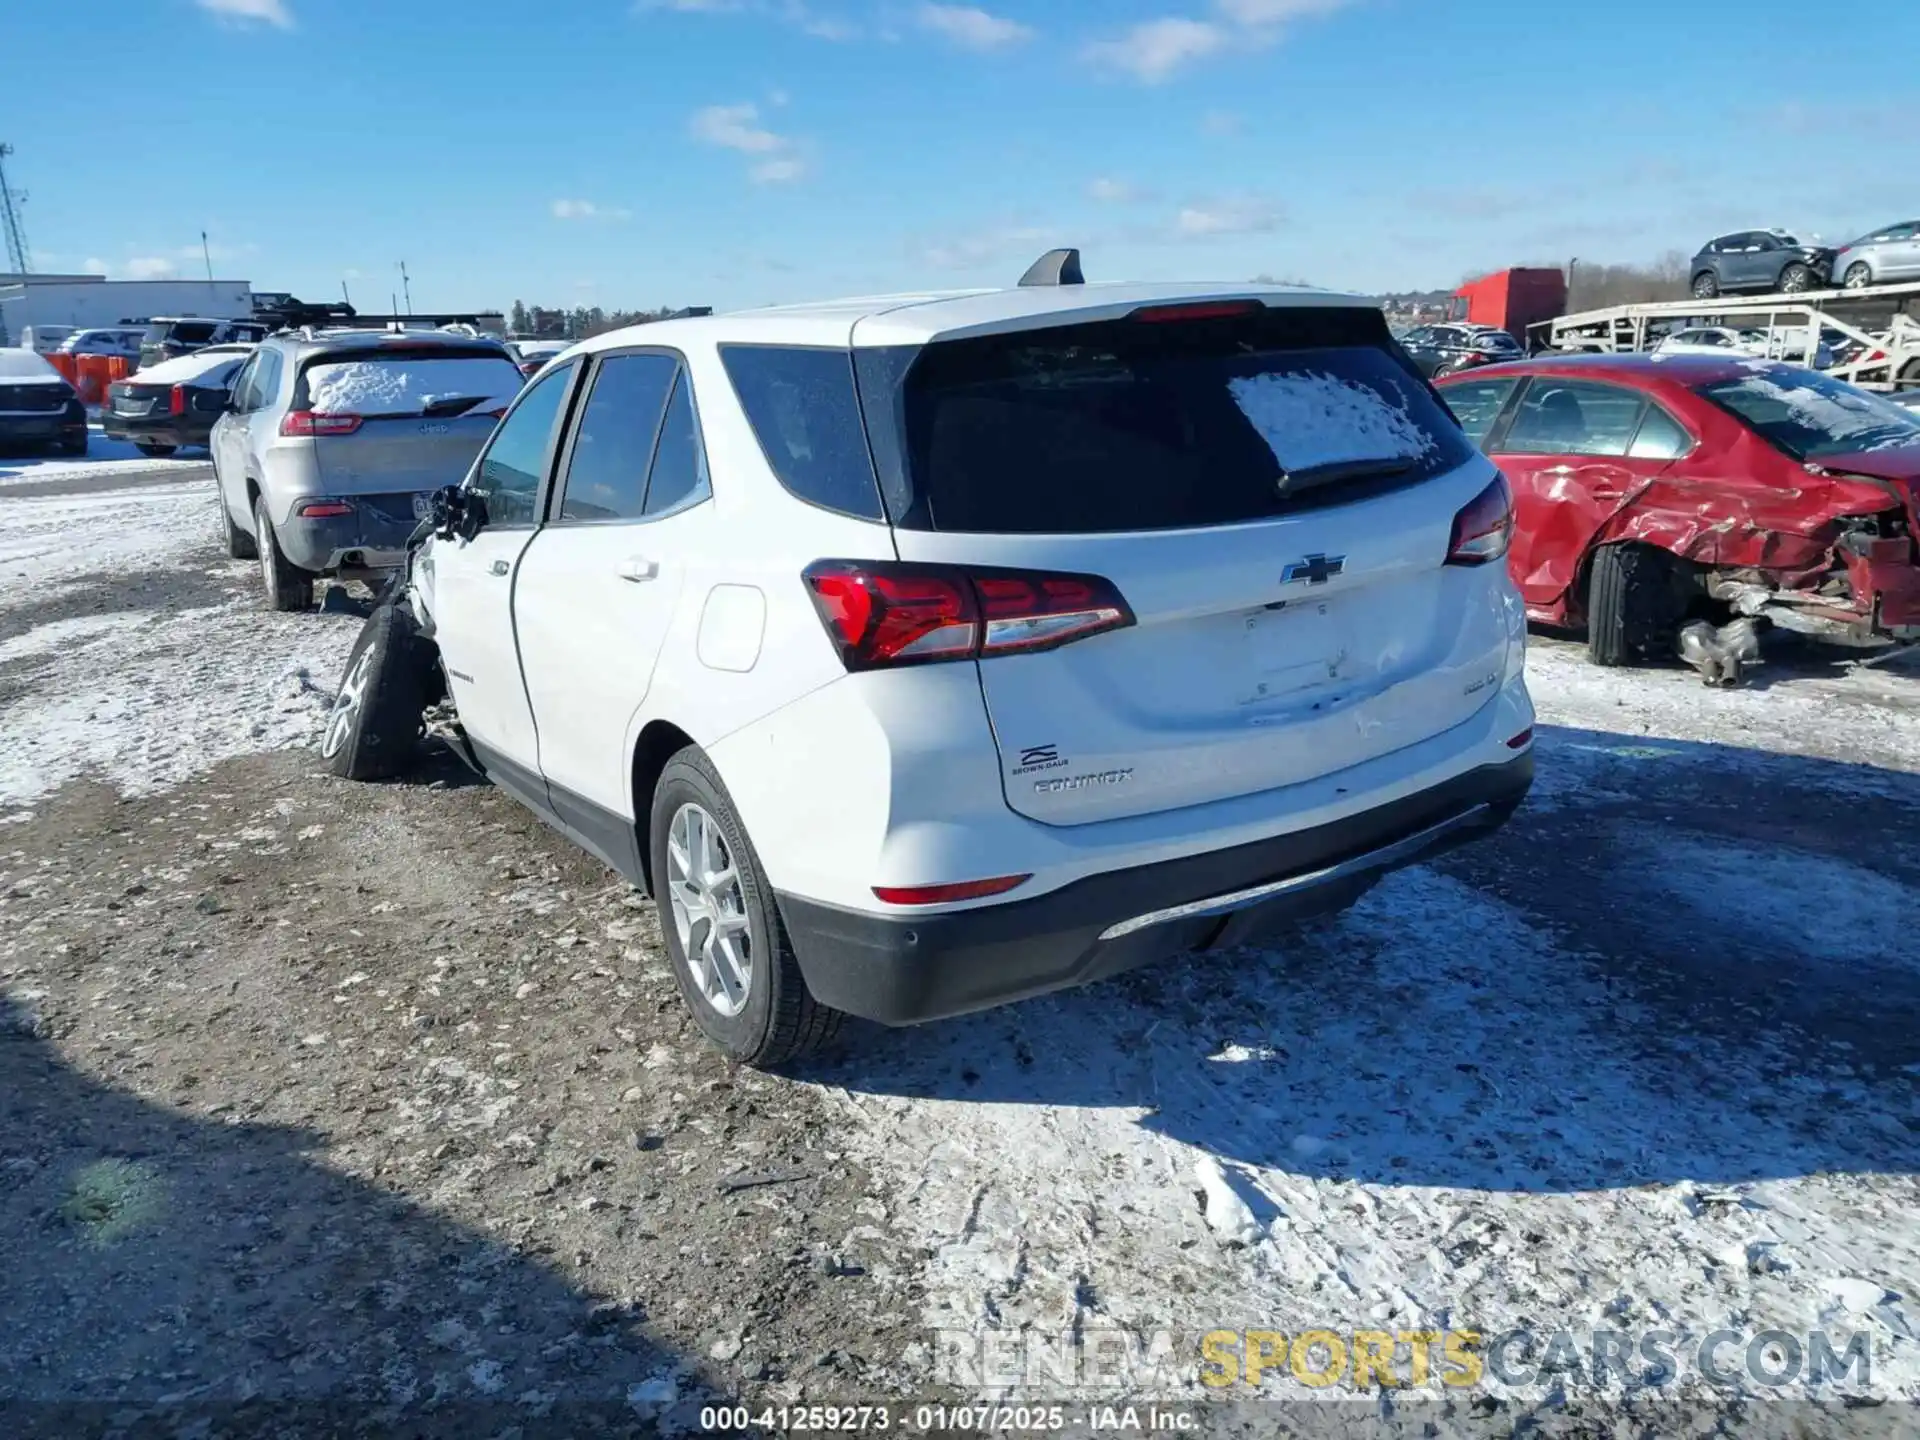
[
  {"x": 903, "y": 969},
  {"x": 373, "y": 537},
  {"x": 157, "y": 429},
  {"x": 45, "y": 429}
]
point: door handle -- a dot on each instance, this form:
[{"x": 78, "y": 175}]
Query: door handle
[
  {"x": 499, "y": 567},
  {"x": 638, "y": 568}
]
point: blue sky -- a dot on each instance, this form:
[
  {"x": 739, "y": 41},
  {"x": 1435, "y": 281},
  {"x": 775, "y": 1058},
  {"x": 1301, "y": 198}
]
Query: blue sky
[{"x": 735, "y": 152}]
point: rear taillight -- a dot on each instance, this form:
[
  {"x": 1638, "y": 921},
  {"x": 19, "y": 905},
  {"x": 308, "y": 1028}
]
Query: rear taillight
[
  {"x": 177, "y": 402},
  {"x": 1484, "y": 527},
  {"x": 881, "y": 613},
  {"x": 323, "y": 509},
  {"x": 314, "y": 422},
  {"x": 948, "y": 894}
]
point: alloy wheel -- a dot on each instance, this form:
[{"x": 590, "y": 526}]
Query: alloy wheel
[
  {"x": 709, "y": 910},
  {"x": 346, "y": 705}
]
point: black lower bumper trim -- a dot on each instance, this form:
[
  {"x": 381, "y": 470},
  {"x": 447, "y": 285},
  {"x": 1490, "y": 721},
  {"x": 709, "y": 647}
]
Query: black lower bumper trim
[{"x": 906, "y": 969}]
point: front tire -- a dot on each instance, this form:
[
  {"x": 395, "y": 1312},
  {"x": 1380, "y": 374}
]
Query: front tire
[
  {"x": 373, "y": 730},
  {"x": 1796, "y": 279},
  {"x": 288, "y": 587},
  {"x": 158, "y": 452},
  {"x": 1858, "y": 276},
  {"x": 1706, "y": 285},
  {"x": 1627, "y": 588},
  {"x": 731, "y": 956}
]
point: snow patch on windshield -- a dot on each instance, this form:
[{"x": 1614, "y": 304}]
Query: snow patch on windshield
[
  {"x": 407, "y": 386},
  {"x": 1310, "y": 419},
  {"x": 200, "y": 365}
]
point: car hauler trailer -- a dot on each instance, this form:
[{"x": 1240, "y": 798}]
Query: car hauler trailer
[{"x": 1880, "y": 323}]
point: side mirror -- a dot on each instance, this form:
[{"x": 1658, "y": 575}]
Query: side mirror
[{"x": 457, "y": 511}]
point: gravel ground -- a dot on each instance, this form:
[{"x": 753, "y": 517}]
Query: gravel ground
[{"x": 341, "y": 1109}]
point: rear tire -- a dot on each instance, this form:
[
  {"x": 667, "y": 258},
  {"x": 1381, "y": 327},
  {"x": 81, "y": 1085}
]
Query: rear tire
[
  {"x": 1627, "y": 590},
  {"x": 77, "y": 445},
  {"x": 1706, "y": 285},
  {"x": 158, "y": 452},
  {"x": 239, "y": 544},
  {"x": 1796, "y": 279},
  {"x": 373, "y": 730},
  {"x": 289, "y": 587},
  {"x": 713, "y": 896}
]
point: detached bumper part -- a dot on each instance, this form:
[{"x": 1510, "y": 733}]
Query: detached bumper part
[{"x": 900, "y": 970}]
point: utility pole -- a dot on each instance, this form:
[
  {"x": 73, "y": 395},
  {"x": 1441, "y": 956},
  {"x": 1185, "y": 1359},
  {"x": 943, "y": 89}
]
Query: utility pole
[
  {"x": 405, "y": 287},
  {"x": 207, "y": 255},
  {"x": 17, "y": 254},
  {"x": 343, "y": 291}
]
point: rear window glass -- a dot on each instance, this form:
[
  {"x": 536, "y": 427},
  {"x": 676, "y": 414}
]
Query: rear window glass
[
  {"x": 407, "y": 385},
  {"x": 1131, "y": 425},
  {"x": 1809, "y": 415},
  {"x": 806, "y": 415}
]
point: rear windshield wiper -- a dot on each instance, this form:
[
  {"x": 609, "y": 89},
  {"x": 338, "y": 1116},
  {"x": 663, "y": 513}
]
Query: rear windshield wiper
[
  {"x": 450, "y": 405},
  {"x": 1333, "y": 472}
]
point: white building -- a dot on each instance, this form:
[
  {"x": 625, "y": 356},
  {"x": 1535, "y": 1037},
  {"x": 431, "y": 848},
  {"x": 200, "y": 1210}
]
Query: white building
[{"x": 82, "y": 300}]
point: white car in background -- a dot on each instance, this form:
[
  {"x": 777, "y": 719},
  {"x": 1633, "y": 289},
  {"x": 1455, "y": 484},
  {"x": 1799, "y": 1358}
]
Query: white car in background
[
  {"x": 924, "y": 653},
  {"x": 1759, "y": 343},
  {"x": 530, "y": 355}
]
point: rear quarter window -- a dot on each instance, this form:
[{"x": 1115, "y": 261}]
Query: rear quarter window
[{"x": 805, "y": 412}]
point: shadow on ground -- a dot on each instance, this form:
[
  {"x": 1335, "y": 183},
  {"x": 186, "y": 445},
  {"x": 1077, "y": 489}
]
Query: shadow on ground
[
  {"x": 1679, "y": 962},
  {"x": 178, "y": 1274}
]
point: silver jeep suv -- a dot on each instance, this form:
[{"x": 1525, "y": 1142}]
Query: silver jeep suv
[{"x": 332, "y": 442}]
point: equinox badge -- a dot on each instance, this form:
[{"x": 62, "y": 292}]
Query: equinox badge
[{"x": 1314, "y": 569}]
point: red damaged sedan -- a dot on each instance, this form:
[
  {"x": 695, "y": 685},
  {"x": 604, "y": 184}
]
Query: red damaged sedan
[{"x": 1650, "y": 489}]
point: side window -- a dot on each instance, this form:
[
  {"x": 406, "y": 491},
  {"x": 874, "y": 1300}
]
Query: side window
[
  {"x": 607, "y": 471},
  {"x": 1478, "y": 403},
  {"x": 509, "y": 474},
  {"x": 243, "y": 383},
  {"x": 1418, "y": 336},
  {"x": 805, "y": 413},
  {"x": 1573, "y": 417},
  {"x": 680, "y": 463},
  {"x": 266, "y": 380},
  {"x": 1661, "y": 437}
]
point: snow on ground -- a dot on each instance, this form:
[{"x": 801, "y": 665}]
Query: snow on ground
[
  {"x": 103, "y": 457},
  {"x": 1807, "y": 702},
  {"x": 155, "y": 687},
  {"x": 1444, "y": 1110}
]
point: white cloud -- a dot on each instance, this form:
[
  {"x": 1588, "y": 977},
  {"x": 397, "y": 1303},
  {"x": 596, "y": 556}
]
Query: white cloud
[
  {"x": 736, "y": 127},
  {"x": 94, "y": 266},
  {"x": 1221, "y": 122},
  {"x": 1266, "y": 14},
  {"x": 1113, "y": 192},
  {"x": 251, "y": 12},
  {"x": 149, "y": 267},
  {"x": 587, "y": 210},
  {"x": 1206, "y": 219},
  {"x": 1152, "y": 50},
  {"x": 739, "y": 127},
  {"x": 782, "y": 171},
  {"x": 973, "y": 28}
]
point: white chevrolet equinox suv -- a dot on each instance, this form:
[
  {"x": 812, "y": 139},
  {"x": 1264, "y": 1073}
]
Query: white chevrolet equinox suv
[{"x": 923, "y": 653}]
